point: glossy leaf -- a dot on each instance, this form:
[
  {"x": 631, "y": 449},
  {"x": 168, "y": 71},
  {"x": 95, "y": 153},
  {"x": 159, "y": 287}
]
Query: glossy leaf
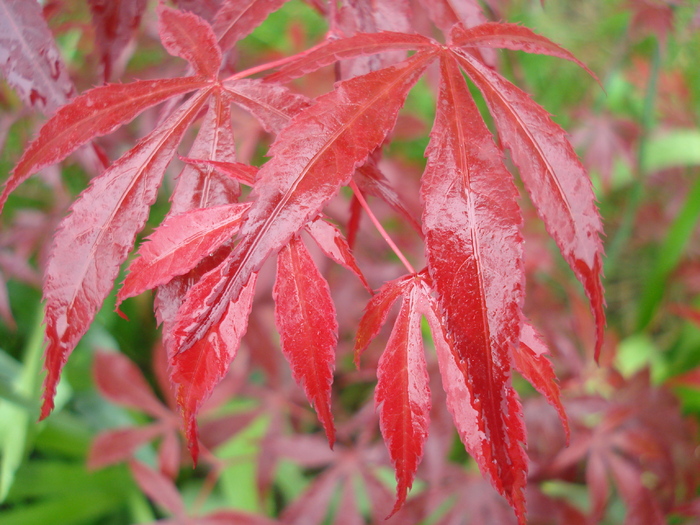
[
  {"x": 92, "y": 114},
  {"x": 179, "y": 244},
  {"x": 554, "y": 177},
  {"x": 187, "y": 36},
  {"x": 312, "y": 157},
  {"x": 403, "y": 395},
  {"x": 97, "y": 236},
  {"x": 305, "y": 319},
  {"x": 472, "y": 224},
  {"x": 196, "y": 371}
]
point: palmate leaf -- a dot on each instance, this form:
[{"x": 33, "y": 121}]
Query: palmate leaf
[
  {"x": 312, "y": 157},
  {"x": 97, "y": 236},
  {"x": 236, "y": 19},
  {"x": 472, "y": 224}
]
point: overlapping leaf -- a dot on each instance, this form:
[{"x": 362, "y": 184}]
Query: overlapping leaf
[{"x": 474, "y": 250}]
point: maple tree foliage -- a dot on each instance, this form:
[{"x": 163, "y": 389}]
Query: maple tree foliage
[{"x": 205, "y": 258}]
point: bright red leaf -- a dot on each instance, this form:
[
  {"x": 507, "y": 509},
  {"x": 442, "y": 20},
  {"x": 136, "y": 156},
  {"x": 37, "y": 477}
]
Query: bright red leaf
[{"x": 305, "y": 318}]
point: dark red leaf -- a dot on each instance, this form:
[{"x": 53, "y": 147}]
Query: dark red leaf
[
  {"x": 96, "y": 238},
  {"x": 335, "y": 247},
  {"x": 312, "y": 157},
  {"x": 554, "y": 177},
  {"x": 196, "y": 371},
  {"x": 30, "y": 61},
  {"x": 237, "y": 19},
  {"x": 115, "y": 446},
  {"x": 330, "y": 51},
  {"x": 114, "y": 22},
  {"x": 187, "y": 36},
  {"x": 305, "y": 319},
  {"x": 179, "y": 244},
  {"x": 472, "y": 224},
  {"x": 94, "y": 113},
  {"x": 403, "y": 394},
  {"x": 530, "y": 359}
]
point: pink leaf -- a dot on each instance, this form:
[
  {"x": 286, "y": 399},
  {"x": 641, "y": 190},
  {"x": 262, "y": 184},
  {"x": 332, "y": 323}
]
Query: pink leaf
[
  {"x": 243, "y": 173},
  {"x": 474, "y": 249},
  {"x": 403, "y": 395},
  {"x": 179, "y": 244},
  {"x": 158, "y": 488},
  {"x": 446, "y": 13},
  {"x": 237, "y": 19},
  {"x": 530, "y": 359},
  {"x": 196, "y": 371},
  {"x": 115, "y": 446},
  {"x": 312, "y": 157},
  {"x": 94, "y": 113},
  {"x": 120, "y": 381},
  {"x": 305, "y": 318},
  {"x": 187, "y": 36},
  {"x": 30, "y": 61},
  {"x": 335, "y": 247},
  {"x": 554, "y": 177},
  {"x": 97, "y": 236}
]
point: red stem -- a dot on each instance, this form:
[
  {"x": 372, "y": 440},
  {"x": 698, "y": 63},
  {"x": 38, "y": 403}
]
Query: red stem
[{"x": 380, "y": 228}]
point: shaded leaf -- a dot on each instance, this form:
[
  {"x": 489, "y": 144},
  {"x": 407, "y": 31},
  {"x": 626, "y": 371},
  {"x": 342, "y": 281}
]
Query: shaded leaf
[
  {"x": 236, "y": 19},
  {"x": 115, "y": 446},
  {"x": 29, "y": 58}
]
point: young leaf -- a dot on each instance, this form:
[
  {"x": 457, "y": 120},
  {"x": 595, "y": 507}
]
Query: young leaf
[
  {"x": 179, "y": 244},
  {"x": 553, "y": 175},
  {"x": 187, "y": 36},
  {"x": 96, "y": 112},
  {"x": 30, "y": 61},
  {"x": 97, "y": 236},
  {"x": 403, "y": 395},
  {"x": 312, "y": 157},
  {"x": 305, "y": 319},
  {"x": 472, "y": 224}
]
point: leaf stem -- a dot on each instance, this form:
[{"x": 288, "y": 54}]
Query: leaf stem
[
  {"x": 262, "y": 67},
  {"x": 380, "y": 228}
]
